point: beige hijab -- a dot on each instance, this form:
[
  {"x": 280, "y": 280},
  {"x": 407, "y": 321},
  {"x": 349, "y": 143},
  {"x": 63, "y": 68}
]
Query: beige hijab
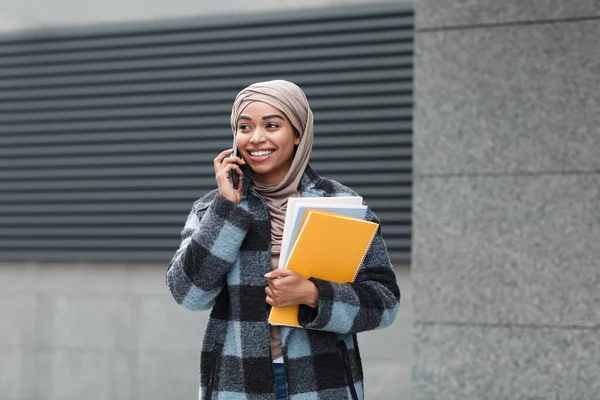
[{"x": 291, "y": 100}]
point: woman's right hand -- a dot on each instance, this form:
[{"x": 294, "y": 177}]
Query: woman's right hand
[{"x": 223, "y": 166}]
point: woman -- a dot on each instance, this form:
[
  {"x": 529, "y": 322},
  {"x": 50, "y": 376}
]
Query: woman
[{"x": 228, "y": 261}]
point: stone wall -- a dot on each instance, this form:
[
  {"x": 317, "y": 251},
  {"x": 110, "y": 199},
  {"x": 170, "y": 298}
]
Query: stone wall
[
  {"x": 506, "y": 245},
  {"x": 113, "y": 331}
]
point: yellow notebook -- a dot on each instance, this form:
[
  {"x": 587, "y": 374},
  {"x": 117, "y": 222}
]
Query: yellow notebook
[{"x": 329, "y": 246}]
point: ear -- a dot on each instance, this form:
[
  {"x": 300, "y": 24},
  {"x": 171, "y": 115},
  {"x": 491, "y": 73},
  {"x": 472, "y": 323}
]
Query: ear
[{"x": 297, "y": 141}]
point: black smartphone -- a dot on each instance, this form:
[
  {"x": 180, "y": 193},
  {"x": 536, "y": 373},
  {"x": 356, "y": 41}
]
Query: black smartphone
[{"x": 234, "y": 176}]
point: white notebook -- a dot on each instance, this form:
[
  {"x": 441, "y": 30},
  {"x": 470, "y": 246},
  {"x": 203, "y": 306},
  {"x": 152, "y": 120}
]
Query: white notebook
[{"x": 291, "y": 216}]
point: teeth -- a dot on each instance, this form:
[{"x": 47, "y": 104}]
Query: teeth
[{"x": 260, "y": 153}]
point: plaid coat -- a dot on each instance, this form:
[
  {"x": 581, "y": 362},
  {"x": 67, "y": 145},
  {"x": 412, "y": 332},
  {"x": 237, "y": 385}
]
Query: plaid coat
[{"x": 221, "y": 263}]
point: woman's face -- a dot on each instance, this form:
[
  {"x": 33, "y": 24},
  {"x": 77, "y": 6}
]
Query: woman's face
[{"x": 265, "y": 139}]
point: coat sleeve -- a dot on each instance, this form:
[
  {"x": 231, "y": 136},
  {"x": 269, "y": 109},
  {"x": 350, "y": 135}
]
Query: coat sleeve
[
  {"x": 210, "y": 244},
  {"x": 370, "y": 302}
]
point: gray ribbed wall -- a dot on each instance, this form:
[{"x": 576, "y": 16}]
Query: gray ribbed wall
[
  {"x": 107, "y": 135},
  {"x": 506, "y": 249}
]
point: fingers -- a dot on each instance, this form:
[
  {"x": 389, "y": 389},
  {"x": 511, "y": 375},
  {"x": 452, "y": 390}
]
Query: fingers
[
  {"x": 269, "y": 299},
  {"x": 269, "y": 292},
  {"x": 225, "y": 155},
  {"x": 223, "y": 173},
  {"x": 222, "y": 156},
  {"x": 233, "y": 160},
  {"x": 236, "y": 167},
  {"x": 272, "y": 284},
  {"x": 229, "y": 167},
  {"x": 223, "y": 165},
  {"x": 279, "y": 273}
]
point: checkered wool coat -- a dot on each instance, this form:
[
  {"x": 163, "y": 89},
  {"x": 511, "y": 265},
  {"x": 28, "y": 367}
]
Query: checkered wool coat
[{"x": 221, "y": 263}]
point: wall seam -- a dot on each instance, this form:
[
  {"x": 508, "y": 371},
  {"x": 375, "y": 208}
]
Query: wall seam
[
  {"x": 506, "y": 174},
  {"x": 592, "y": 328},
  {"x": 506, "y": 24}
]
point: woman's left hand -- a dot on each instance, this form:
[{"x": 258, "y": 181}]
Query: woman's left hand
[{"x": 287, "y": 288}]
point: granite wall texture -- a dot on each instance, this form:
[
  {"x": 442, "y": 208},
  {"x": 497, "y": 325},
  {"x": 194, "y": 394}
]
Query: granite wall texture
[
  {"x": 506, "y": 241},
  {"x": 113, "y": 332}
]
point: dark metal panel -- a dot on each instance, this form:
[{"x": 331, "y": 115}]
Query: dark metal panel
[
  {"x": 93, "y": 59},
  {"x": 138, "y": 220},
  {"x": 84, "y": 232},
  {"x": 382, "y": 138},
  {"x": 202, "y": 179},
  {"x": 330, "y": 93},
  {"x": 84, "y": 243},
  {"x": 190, "y": 109},
  {"x": 179, "y": 133},
  {"x": 147, "y": 219},
  {"x": 292, "y": 24},
  {"x": 107, "y": 135},
  {"x": 87, "y": 255},
  {"x": 114, "y": 123},
  {"x": 203, "y": 66},
  {"x": 134, "y": 206},
  {"x": 178, "y": 170},
  {"x": 231, "y": 84},
  {"x": 184, "y": 158}
]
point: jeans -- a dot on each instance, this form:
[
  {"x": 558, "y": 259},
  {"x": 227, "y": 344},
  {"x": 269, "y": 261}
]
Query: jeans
[{"x": 280, "y": 381}]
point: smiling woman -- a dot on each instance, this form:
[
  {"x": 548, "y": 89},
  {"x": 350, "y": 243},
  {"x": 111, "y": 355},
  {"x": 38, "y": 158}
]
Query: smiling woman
[
  {"x": 267, "y": 141},
  {"x": 229, "y": 256}
]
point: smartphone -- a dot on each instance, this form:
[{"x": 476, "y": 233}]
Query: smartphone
[{"x": 234, "y": 176}]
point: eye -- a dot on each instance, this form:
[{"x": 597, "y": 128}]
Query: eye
[
  {"x": 272, "y": 125},
  {"x": 244, "y": 127}
]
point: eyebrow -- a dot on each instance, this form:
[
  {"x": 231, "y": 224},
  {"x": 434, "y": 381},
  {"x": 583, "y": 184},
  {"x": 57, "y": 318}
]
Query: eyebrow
[
  {"x": 273, "y": 116},
  {"x": 246, "y": 118}
]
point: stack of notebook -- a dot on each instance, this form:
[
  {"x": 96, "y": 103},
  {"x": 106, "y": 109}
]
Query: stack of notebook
[{"x": 325, "y": 238}]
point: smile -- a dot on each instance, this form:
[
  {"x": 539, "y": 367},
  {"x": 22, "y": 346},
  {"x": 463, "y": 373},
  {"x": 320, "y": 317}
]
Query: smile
[{"x": 261, "y": 153}]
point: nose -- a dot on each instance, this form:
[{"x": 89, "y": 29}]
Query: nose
[{"x": 258, "y": 136}]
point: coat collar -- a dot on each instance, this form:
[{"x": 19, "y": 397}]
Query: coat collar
[
  {"x": 308, "y": 183},
  {"x": 310, "y": 180}
]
